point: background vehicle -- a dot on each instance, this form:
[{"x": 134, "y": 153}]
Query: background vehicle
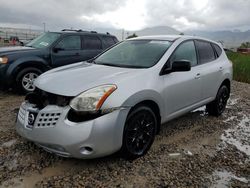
[
  {"x": 19, "y": 66},
  {"x": 119, "y": 101}
]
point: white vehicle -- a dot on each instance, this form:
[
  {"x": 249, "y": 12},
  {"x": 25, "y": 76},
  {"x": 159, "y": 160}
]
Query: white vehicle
[{"x": 120, "y": 99}]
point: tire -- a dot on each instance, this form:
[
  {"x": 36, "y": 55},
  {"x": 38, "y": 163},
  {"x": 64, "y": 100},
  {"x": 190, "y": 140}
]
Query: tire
[
  {"x": 25, "y": 79},
  {"x": 218, "y": 106},
  {"x": 139, "y": 132}
]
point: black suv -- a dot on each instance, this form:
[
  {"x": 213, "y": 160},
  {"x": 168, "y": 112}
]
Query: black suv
[{"x": 19, "y": 66}]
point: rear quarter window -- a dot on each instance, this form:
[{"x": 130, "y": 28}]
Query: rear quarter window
[
  {"x": 217, "y": 49},
  {"x": 108, "y": 41},
  {"x": 205, "y": 51}
]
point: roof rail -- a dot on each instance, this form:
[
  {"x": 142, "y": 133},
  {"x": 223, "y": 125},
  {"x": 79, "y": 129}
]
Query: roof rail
[
  {"x": 69, "y": 30},
  {"x": 79, "y": 30},
  {"x": 76, "y": 30}
]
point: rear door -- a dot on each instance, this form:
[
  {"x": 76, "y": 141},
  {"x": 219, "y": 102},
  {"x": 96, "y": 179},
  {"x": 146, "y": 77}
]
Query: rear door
[
  {"x": 182, "y": 89},
  {"x": 92, "y": 46},
  {"x": 67, "y": 51},
  {"x": 210, "y": 68}
]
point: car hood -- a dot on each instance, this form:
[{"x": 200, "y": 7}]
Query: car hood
[
  {"x": 73, "y": 79},
  {"x": 12, "y": 49}
]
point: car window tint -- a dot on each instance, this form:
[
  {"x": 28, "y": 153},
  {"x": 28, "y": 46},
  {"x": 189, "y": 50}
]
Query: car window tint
[
  {"x": 70, "y": 43},
  {"x": 217, "y": 49},
  {"x": 185, "y": 51},
  {"x": 107, "y": 42},
  {"x": 205, "y": 51},
  {"x": 91, "y": 43}
]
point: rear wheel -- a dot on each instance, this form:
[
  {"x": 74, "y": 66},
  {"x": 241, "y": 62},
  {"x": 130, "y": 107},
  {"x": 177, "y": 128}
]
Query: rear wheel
[
  {"x": 217, "y": 107},
  {"x": 25, "y": 79},
  {"x": 139, "y": 132}
]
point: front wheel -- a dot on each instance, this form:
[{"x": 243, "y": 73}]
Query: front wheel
[
  {"x": 217, "y": 107},
  {"x": 139, "y": 132},
  {"x": 26, "y": 78}
]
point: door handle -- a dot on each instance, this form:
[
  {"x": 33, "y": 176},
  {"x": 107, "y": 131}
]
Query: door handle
[
  {"x": 198, "y": 75},
  {"x": 220, "y": 69}
]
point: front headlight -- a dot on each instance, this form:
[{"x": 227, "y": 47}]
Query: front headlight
[
  {"x": 3, "y": 60},
  {"x": 92, "y": 99}
]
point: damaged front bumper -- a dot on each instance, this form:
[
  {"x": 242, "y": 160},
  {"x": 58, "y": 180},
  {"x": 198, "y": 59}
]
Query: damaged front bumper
[{"x": 51, "y": 129}]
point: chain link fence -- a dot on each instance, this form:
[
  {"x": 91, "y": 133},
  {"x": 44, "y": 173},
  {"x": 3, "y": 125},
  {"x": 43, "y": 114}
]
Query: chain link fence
[{"x": 12, "y": 36}]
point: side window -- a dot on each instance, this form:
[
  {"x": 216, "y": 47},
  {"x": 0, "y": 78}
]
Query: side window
[
  {"x": 107, "y": 41},
  {"x": 185, "y": 51},
  {"x": 205, "y": 51},
  {"x": 217, "y": 49},
  {"x": 70, "y": 43},
  {"x": 91, "y": 43}
]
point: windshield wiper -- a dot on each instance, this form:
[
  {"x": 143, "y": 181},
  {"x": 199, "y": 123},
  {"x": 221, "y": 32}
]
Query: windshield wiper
[
  {"x": 120, "y": 65},
  {"x": 91, "y": 61}
]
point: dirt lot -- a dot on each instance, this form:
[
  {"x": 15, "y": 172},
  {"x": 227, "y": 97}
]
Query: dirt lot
[{"x": 195, "y": 150}]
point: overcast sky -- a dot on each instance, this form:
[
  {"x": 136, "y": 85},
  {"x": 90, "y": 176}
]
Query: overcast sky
[{"x": 127, "y": 14}]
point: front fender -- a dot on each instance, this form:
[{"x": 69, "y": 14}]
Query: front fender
[
  {"x": 26, "y": 61},
  {"x": 122, "y": 100},
  {"x": 145, "y": 95}
]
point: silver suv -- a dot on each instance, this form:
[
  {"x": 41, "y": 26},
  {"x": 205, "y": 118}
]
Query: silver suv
[{"x": 119, "y": 100}]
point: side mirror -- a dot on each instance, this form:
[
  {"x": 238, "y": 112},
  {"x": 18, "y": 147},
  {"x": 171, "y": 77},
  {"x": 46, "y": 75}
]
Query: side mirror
[
  {"x": 181, "y": 66},
  {"x": 57, "y": 49},
  {"x": 177, "y": 66}
]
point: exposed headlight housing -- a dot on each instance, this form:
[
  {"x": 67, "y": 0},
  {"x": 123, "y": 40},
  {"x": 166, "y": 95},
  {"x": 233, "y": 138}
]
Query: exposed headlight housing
[
  {"x": 3, "y": 60},
  {"x": 92, "y": 99}
]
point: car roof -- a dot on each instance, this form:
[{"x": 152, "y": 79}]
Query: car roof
[
  {"x": 84, "y": 33},
  {"x": 158, "y": 37},
  {"x": 170, "y": 38}
]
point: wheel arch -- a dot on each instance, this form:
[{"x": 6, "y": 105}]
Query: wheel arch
[
  {"x": 227, "y": 83},
  {"x": 154, "y": 107},
  {"x": 22, "y": 63}
]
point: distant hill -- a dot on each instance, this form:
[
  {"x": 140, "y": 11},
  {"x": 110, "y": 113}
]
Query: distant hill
[
  {"x": 159, "y": 30},
  {"x": 231, "y": 39}
]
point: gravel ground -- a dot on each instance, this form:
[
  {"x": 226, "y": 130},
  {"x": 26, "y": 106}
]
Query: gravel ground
[{"x": 195, "y": 150}]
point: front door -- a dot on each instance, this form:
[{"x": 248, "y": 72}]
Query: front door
[
  {"x": 182, "y": 89},
  {"x": 67, "y": 51}
]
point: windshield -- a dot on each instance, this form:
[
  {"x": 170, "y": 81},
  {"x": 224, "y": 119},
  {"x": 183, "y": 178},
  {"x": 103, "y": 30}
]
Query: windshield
[
  {"x": 134, "y": 53},
  {"x": 44, "y": 40}
]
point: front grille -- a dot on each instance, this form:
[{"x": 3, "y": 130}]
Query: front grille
[
  {"x": 47, "y": 119},
  {"x": 21, "y": 115},
  {"x": 41, "y": 99}
]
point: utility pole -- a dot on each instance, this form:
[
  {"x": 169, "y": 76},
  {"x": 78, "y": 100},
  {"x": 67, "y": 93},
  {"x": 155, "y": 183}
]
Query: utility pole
[{"x": 44, "y": 27}]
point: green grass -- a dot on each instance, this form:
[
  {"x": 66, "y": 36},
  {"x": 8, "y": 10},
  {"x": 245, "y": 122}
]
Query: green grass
[{"x": 241, "y": 66}]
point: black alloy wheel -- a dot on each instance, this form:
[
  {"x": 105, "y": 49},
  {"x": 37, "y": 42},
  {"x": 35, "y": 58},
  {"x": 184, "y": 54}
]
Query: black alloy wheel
[
  {"x": 218, "y": 106},
  {"x": 139, "y": 133}
]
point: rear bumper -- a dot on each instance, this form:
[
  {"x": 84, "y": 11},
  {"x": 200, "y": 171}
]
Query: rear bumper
[{"x": 68, "y": 139}]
